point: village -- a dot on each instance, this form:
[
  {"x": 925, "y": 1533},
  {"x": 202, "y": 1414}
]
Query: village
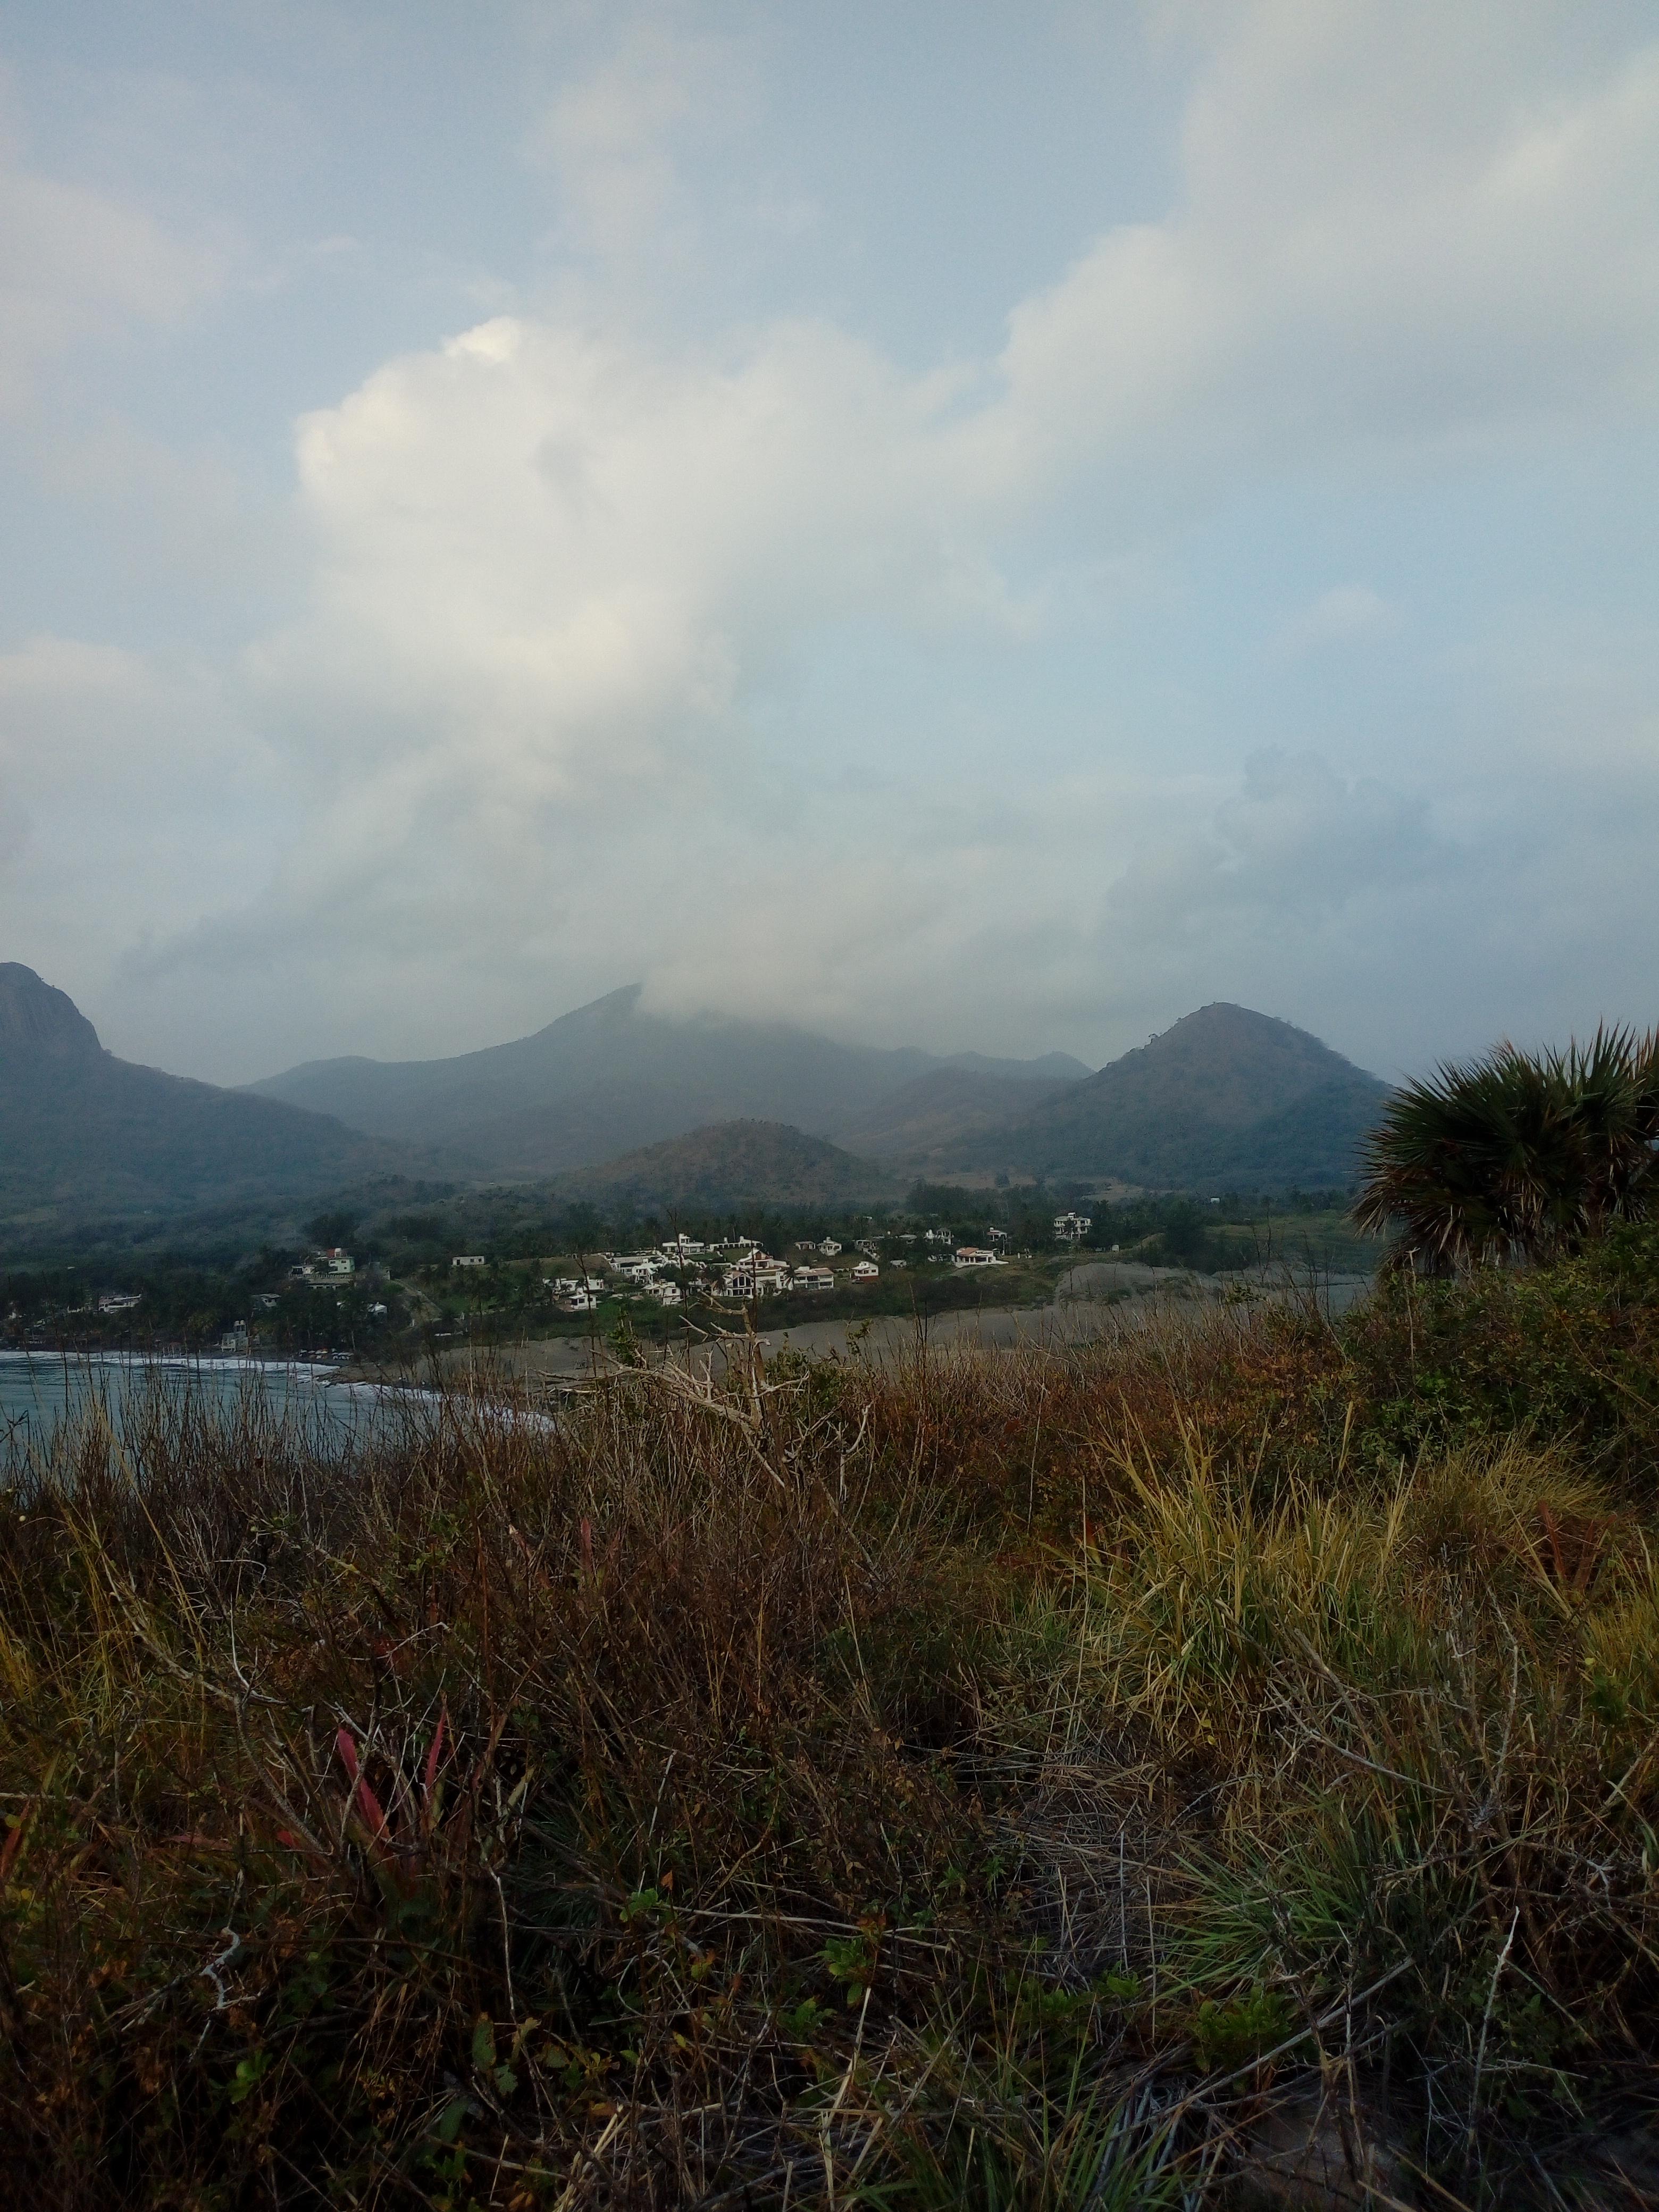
[{"x": 683, "y": 1269}]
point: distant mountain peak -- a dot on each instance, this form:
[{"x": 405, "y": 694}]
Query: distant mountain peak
[
  {"x": 1225, "y": 1096},
  {"x": 35, "y": 1018},
  {"x": 608, "y": 1078}
]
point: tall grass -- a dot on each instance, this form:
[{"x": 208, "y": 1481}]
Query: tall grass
[{"x": 1009, "y": 1781}]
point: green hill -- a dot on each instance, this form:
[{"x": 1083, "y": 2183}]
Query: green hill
[
  {"x": 1226, "y": 1098},
  {"x": 86, "y": 1137},
  {"x": 731, "y": 1163}
]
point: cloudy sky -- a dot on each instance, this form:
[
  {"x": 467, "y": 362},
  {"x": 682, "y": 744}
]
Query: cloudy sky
[{"x": 981, "y": 524}]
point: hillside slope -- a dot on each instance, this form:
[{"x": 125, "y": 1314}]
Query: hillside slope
[
  {"x": 1225, "y": 1098},
  {"x": 934, "y": 1117},
  {"x": 731, "y": 1163},
  {"x": 608, "y": 1077},
  {"x": 85, "y": 1137}
]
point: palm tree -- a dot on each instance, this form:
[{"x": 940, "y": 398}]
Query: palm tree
[{"x": 1514, "y": 1159}]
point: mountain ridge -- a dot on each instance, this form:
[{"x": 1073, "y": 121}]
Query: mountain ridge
[
  {"x": 1227, "y": 1097},
  {"x": 607, "y": 1077}
]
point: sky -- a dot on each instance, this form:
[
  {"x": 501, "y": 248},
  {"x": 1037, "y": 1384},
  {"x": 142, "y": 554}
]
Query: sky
[{"x": 969, "y": 525}]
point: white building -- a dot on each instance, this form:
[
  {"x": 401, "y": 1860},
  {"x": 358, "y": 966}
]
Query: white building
[
  {"x": 666, "y": 1294},
  {"x": 468, "y": 1259},
  {"x": 866, "y": 1272},
  {"x": 971, "y": 1255},
  {"x": 813, "y": 1279},
  {"x": 1071, "y": 1226},
  {"x": 829, "y": 1247}
]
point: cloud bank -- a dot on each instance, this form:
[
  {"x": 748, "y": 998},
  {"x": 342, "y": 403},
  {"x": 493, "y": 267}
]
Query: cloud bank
[{"x": 542, "y": 718}]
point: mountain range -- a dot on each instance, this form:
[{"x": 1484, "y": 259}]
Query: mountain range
[
  {"x": 611, "y": 1077},
  {"x": 597, "y": 1102}
]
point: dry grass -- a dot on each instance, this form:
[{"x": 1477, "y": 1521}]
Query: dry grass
[{"x": 989, "y": 1781}]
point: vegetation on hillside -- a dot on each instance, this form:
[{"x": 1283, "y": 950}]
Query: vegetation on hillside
[
  {"x": 1044, "y": 1781},
  {"x": 1224, "y": 1099},
  {"x": 731, "y": 1163}
]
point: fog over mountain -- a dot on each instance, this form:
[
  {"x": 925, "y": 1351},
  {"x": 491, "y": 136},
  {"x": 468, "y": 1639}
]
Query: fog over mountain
[
  {"x": 935, "y": 528},
  {"x": 610, "y": 1077}
]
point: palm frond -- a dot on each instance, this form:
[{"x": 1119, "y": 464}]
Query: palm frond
[{"x": 1515, "y": 1158}]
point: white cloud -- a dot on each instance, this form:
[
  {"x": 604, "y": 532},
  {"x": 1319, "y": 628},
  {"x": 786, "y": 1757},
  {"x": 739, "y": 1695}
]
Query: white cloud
[
  {"x": 1296, "y": 842},
  {"x": 555, "y": 567},
  {"x": 75, "y": 263},
  {"x": 1388, "y": 237},
  {"x": 612, "y": 138}
]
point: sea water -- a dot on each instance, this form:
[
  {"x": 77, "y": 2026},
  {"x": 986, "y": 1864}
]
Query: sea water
[{"x": 41, "y": 1391}]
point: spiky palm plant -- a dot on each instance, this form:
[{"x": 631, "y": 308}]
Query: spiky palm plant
[{"x": 1513, "y": 1158}]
